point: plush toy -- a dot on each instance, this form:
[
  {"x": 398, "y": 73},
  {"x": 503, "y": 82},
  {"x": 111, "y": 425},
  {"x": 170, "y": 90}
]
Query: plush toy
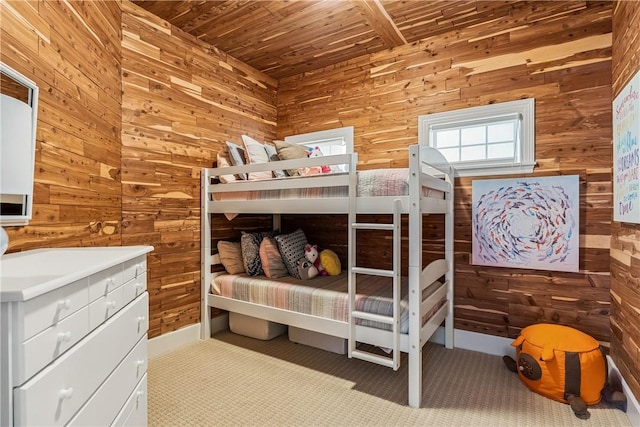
[
  {"x": 306, "y": 269},
  {"x": 315, "y": 152},
  {"x": 330, "y": 262},
  {"x": 311, "y": 253}
]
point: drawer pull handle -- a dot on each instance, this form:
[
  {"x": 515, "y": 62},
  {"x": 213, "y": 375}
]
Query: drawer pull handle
[
  {"x": 140, "y": 367},
  {"x": 112, "y": 304},
  {"x": 141, "y": 319},
  {"x": 66, "y": 393},
  {"x": 139, "y": 286},
  {"x": 64, "y": 336},
  {"x": 138, "y": 269},
  {"x": 110, "y": 282},
  {"x": 64, "y": 304}
]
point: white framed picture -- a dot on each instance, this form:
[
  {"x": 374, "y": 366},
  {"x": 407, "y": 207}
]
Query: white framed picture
[
  {"x": 626, "y": 153},
  {"x": 526, "y": 223}
]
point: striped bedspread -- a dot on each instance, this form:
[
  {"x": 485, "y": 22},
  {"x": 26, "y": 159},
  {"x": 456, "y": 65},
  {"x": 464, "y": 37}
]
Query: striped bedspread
[
  {"x": 322, "y": 296},
  {"x": 371, "y": 183}
]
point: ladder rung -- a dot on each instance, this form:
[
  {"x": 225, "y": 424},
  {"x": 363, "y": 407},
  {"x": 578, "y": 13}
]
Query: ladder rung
[
  {"x": 365, "y": 315},
  {"x": 372, "y": 226},
  {"x": 371, "y": 357},
  {"x": 372, "y": 271}
]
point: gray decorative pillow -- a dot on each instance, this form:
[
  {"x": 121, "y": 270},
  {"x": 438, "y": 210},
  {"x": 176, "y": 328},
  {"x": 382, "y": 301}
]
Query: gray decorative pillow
[
  {"x": 250, "y": 243},
  {"x": 236, "y": 155},
  {"x": 273, "y": 157},
  {"x": 291, "y": 248}
]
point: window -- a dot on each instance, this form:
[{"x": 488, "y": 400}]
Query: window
[
  {"x": 496, "y": 139},
  {"x": 330, "y": 142}
]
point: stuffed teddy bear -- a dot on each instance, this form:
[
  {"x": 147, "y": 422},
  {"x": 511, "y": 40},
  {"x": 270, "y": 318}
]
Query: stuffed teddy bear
[
  {"x": 311, "y": 254},
  {"x": 306, "y": 269}
]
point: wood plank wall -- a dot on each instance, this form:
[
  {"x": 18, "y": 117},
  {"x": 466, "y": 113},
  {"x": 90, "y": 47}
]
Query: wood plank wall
[
  {"x": 182, "y": 99},
  {"x": 72, "y": 51},
  {"x": 625, "y": 240},
  {"x": 560, "y": 58}
]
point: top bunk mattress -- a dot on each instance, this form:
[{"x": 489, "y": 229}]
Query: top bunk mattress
[{"x": 370, "y": 183}]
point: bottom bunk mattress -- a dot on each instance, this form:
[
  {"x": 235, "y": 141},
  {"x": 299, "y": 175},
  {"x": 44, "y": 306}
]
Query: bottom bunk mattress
[{"x": 324, "y": 296}]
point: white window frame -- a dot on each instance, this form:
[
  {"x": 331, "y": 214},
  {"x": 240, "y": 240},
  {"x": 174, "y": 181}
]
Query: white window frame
[
  {"x": 330, "y": 141},
  {"x": 338, "y": 136},
  {"x": 523, "y": 160}
]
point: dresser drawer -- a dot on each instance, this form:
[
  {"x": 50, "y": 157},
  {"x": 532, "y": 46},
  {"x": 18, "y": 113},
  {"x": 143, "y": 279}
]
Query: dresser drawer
[
  {"x": 104, "y": 282},
  {"x": 48, "y": 309},
  {"x": 134, "y": 412},
  {"x": 135, "y": 267},
  {"x": 56, "y": 393},
  {"x": 135, "y": 287},
  {"x": 103, "y": 407},
  {"x": 106, "y": 306},
  {"x": 38, "y": 351}
]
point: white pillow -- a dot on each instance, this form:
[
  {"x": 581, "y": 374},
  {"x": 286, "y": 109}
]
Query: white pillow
[{"x": 256, "y": 153}]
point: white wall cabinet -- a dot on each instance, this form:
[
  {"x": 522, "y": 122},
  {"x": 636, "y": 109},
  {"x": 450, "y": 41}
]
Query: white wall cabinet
[{"x": 73, "y": 347}]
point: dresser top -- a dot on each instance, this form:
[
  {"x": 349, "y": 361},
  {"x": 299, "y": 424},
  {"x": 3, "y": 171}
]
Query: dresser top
[{"x": 28, "y": 274}]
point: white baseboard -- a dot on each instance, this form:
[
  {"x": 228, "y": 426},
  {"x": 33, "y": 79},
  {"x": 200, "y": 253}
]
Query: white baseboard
[
  {"x": 498, "y": 346},
  {"x": 490, "y": 344},
  {"x": 173, "y": 340},
  {"x": 462, "y": 339},
  {"x": 633, "y": 408},
  {"x": 187, "y": 335}
]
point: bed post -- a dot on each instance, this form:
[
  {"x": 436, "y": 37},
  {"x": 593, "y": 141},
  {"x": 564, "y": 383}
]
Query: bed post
[
  {"x": 205, "y": 256},
  {"x": 449, "y": 257},
  {"x": 351, "y": 252},
  {"x": 415, "y": 269}
]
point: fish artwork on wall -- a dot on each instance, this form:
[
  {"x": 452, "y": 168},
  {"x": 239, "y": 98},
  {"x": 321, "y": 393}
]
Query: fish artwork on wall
[{"x": 528, "y": 223}]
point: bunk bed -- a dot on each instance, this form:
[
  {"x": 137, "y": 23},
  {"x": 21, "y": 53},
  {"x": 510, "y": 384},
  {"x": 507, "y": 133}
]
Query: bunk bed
[{"x": 412, "y": 315}]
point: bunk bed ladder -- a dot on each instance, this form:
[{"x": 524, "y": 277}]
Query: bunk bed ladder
[{"x": 394, "y": 320}]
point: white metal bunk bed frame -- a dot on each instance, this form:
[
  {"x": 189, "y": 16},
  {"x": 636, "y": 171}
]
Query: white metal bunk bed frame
[{"x": 427, "y": 168}]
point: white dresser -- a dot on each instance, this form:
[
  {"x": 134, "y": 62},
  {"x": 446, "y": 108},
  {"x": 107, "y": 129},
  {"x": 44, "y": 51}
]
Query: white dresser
[{"x": 73, "y": 343}]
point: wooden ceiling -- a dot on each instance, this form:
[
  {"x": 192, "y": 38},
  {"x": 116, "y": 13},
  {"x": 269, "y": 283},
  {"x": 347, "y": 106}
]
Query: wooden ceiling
[{"x": 288, "y": 37}]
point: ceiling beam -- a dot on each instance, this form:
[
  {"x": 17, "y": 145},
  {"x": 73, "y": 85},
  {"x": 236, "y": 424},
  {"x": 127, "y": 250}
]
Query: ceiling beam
[{"x": 381, "y": 22}]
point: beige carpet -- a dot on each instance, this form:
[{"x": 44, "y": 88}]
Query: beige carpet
[{"x": 232, "y": 380}]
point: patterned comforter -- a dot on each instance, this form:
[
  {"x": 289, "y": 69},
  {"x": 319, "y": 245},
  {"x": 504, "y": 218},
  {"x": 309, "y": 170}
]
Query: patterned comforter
[
  {"x": 375, "y": 182},
  {"x": 322, "y": 296}
]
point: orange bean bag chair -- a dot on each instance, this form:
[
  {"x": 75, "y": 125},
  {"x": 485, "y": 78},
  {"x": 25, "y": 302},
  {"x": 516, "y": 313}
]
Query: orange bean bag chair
[{"x": 560, "y": 363}]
